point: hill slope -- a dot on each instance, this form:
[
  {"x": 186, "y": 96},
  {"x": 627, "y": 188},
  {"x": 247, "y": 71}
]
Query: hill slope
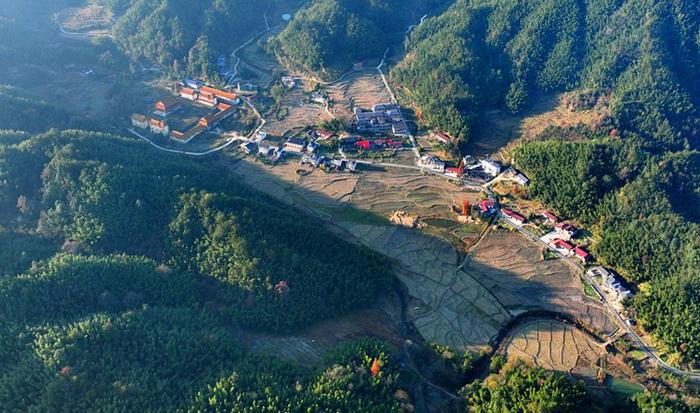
[{"x": 499, "y": 53}]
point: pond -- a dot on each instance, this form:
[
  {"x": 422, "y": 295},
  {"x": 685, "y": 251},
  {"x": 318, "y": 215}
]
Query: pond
[{"x": 623, "y": 387}]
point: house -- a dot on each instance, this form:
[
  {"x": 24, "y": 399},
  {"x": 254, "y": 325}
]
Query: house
[
  {"x": 453, "y": 172},
  {"x": 289, "y": 82},
  {"x": 521, "y": 179},
  {"x": 189, "y": 93},
  {"x": 192, "y": 84},
  {"x": 566, "y": 229},
  {"x": 550, "y": 217},
  {"x": 513, "y": 217},
  {"x": 364, "y": 144},
  {"x": 228, "y": 97},
  {"x": 159, "y": 127},
  {"x": 394, "y": 144},
  {"x": 325, "y": 134},
  {"x": 249, "y": 148},
  {"x": 207, "y": 98},
  {"x": 487, "y": 206},
  {"x": 442, "y": 137},
  {"x": 348, "y": 142},
  {"x": 166, "y": 106},
  {"x": 384, "y": 118},
  {"x": 490, "y": 166},
  {"x": 295, "y": 145},
  {"x": 139, "y": 121},
  {"x": 582, "y": 255},
  {"x": 352, "y": 166},
  {"x": 319, "y": 98},
  {"x": 311, "y": 147},
  {"x": 611, "y": 282},
  {"x": 261, "y": 135},
  {"x": 562, "y": 246},
  {"x": 431, "y": 163},
  {"x": 213, "y": 119}
]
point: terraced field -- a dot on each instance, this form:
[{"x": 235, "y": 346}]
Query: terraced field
[
  {"x": 514, "y": 271},
  {"x": 555, "y": 346}
]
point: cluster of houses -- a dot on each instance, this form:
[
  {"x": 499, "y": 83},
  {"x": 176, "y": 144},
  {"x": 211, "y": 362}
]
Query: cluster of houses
[
  {"x": 328, "y": 164},
  {"x": 264, "y": 147},
  {"x": 560, "y": 238},
  {"x": 195, "y": 91},
  {"x": 613, "y": 285},
  {"x": 382, "y": 119}
]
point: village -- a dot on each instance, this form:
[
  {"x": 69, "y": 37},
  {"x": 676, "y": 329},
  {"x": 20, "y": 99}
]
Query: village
[
  {"x": 377, "y": 136},
  {"x": 346, "y": 151}
]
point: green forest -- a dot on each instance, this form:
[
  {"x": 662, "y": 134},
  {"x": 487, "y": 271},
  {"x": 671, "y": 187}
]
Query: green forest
[
  {"x": 643, "y": 209},
  {"x": 330, "y": 35},
  {"x": 643, "y": 54},
  {"x": 128, "y": 272},
  {"x": 184, "y": 35}
]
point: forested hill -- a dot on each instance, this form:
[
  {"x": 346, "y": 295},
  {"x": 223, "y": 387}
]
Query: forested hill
[
  {"x": 181, "y": 34},
  {"x": 331, "y": 35},
  {"x": 87, "y": 323},
  {"x": 499, "y": 53}
]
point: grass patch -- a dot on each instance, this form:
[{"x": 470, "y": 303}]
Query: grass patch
[
  {"x": 548, "y": 254},
  {"x": 441, "y": 223},
  {"x": 589, "y": 290},
  {"x": 637, "y": 354}
]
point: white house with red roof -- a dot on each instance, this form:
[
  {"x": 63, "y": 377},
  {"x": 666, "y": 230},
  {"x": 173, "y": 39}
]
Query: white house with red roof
[
  {"x": 562, "y": 246},
  {"x": 550, "y": 217},
  {"x": 582, "y": 255},
  {"x": 513, "y": 217}
]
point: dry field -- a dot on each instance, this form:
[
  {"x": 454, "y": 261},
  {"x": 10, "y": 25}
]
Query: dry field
[
  {"x": 500, "y": 129},
  {"x": 514, "y": 271},
  {"x": 462, "y": 302},
  {"x": 89, "y": 18},
  {"x": 299, "y": 113},
  {"x": 359, "y": 89},
  {"x": 555, "y": 346},
  {"x": 449, "y": 307}
]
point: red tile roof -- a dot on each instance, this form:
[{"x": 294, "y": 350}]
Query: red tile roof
[
  {"x": 486, "y": 204},
  {"x": 560, "y": 243},
  {"x": 550, "y": 216},
  {"x": 513, "y": 215},
  {"x": 218, "y": 93},
  {"x": 581, "y": 253}
]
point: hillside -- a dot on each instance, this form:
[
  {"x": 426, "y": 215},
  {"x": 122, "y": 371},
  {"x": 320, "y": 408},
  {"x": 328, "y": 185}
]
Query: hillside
[
  {"x": 331, "y": 35},
  {"x": 183, "y": 35},
  {"x": 641, "y": 53}
]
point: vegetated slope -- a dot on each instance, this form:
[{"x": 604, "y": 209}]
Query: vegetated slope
[
  {"x": 498, "y": 53},
  {"x": 91, "y": 328},
  {"x": 643, "y": 208},
  {"x": 268, "y": 266},
  {"x": 21, "y": 112},
  {"x": 331, "y": 35},
  {"x": 184, "y": 35}
]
